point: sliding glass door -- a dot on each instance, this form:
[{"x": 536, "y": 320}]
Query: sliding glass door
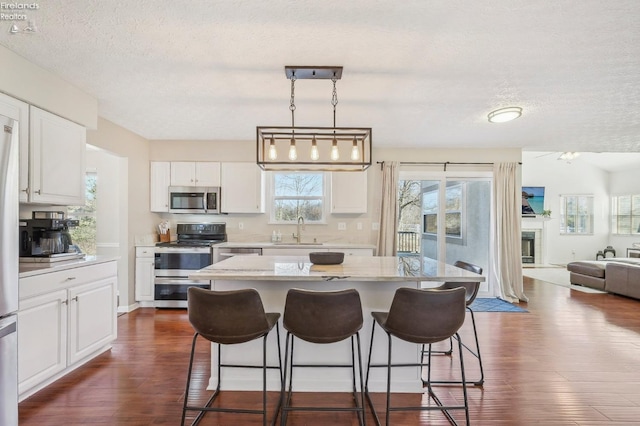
[{"x": 451, "y": 217}]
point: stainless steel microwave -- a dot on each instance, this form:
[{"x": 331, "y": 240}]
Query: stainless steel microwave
[{"x": 194, "y": 199}]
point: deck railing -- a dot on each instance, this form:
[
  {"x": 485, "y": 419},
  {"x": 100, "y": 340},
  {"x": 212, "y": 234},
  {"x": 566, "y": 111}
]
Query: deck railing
[{"x": 408, "y": 242}]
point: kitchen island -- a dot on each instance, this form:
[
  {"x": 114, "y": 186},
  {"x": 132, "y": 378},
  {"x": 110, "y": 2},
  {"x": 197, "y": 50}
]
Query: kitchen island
[{"x": 375, "y": 278}]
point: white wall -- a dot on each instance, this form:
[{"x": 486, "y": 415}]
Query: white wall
[
  {"x": 136, "y": 219},
  {"x": 562, "y": 178},
  {"x": 111, "y": 213},
  {"x": 624, "y": 183}
]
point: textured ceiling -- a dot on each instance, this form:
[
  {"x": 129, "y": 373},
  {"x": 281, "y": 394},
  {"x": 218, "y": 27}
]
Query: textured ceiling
[{"x": 421, "y": 73}]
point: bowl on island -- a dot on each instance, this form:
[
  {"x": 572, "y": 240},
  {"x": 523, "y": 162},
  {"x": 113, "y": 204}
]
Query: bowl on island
[{"x": 326, "y": 257}]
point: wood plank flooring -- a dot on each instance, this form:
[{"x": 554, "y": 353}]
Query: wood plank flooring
[{"x": 574, "y": 359}]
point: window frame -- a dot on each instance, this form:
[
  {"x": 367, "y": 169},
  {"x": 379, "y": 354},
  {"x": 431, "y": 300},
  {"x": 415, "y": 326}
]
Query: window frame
[
  {"x": 615, "y": 221},
  {"x": 272, "y": 198},
  {"x": 564, "y": 199}
]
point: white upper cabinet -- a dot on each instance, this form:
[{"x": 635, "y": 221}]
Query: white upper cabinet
[
  {"x": 18, "y": 110},
  {"x": 207, "y": 173},
  {"x": 199, "y": 173},
  {"x": 57, "y": 159},
  {"x": 242, "y": 188},
  {"x": 160, "y": 178},
  {"x": 349, "y": 192}
]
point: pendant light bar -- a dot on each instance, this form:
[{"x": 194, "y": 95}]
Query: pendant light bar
[{"x": 313, "y": 148}]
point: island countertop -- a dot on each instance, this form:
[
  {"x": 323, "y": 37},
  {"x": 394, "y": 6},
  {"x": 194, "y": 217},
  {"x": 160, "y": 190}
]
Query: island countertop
[{"x": 354, "y": 268}]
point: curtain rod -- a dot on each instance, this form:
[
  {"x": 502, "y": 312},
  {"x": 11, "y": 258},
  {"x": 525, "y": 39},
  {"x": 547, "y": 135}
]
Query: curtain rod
[{"x": 443, "y": 163}]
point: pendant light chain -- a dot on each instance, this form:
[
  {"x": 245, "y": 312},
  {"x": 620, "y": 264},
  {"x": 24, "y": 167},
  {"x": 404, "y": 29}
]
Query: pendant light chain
[
  {"x": 334, "y": 100},
  {"x": 292, "y": 104}
]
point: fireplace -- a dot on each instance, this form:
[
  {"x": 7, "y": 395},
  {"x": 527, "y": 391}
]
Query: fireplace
[{"x": 528, "y": 247}]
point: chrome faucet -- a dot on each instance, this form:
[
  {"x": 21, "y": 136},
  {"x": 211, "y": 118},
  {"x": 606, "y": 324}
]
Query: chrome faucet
[{"x": 298, "y": 236}]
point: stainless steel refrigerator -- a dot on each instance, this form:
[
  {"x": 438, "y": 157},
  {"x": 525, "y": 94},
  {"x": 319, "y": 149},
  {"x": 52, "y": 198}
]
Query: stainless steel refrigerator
[{"x": 8, "y": 271}]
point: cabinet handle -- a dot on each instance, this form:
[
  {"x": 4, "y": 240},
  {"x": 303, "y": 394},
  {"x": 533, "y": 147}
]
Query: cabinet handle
[
  {"x": 74, "y": 299},
  {"x": 64, "y": 302},
  {"x": 70, "y": 278},
  {"x": 37, "y": 191}
]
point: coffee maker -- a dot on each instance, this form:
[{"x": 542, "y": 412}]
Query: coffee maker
[{"x": 46, "y": 236}]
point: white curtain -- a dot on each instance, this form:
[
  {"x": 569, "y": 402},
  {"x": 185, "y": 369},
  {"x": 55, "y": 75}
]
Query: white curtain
[
  {"x": 387, "y": 238},
  {"x": 507, "y": 244}
]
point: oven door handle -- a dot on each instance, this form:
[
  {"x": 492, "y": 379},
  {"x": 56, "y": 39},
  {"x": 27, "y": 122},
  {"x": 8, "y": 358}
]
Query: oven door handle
[{"x": 179, "y": 281}]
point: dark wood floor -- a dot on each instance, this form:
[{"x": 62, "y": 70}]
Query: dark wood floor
[{"x": 574, "y": 359}]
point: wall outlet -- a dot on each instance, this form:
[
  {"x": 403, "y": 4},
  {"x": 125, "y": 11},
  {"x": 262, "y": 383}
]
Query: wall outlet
[
  {"x": 342, "y": 226},
  {"x": 375, "y": 226},
  {"x": 359, "y": 226},
  {"x": 240, "y": 225}
]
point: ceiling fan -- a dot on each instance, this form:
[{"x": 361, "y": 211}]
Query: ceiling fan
[{"x": 567, "y": 156}]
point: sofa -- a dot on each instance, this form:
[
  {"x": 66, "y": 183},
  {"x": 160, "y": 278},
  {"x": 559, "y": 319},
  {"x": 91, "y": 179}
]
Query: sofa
[{"x": 615, "y": 275}]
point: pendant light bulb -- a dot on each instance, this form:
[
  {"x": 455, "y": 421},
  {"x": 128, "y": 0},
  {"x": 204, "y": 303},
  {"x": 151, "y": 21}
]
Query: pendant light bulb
[
  {"x": 293, "y": 153},
  {"x": 335, "y": 154},
  {"x": 273, "y": 153},
  {"x": 355, "y": 151},
  {"x": 315, "y": 155}
]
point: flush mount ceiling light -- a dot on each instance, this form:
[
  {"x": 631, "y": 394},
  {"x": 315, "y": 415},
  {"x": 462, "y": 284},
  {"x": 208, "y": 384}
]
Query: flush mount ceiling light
[
  {"x": 503, "y": 115},
  {"x": 313, "y": 148}
]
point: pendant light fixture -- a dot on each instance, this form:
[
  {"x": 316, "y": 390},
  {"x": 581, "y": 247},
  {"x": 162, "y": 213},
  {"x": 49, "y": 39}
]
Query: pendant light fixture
[{"x": 313, "y": 148}]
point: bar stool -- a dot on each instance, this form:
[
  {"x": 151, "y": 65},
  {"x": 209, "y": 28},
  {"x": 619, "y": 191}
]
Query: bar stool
[
  {"x": 471, "y": 293},
  {"x": 226, "y": 318},
  {"x": 423, "y": 317},
  {"x": 322, "y": 317}
]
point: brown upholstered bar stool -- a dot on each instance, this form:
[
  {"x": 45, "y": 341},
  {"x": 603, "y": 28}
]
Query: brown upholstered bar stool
[
  {"x": 322, "y": 317},
  {"x": 423, "y": 317},
  {"x": 226, "y": 318},
  {"x": 471, "y": 289}
]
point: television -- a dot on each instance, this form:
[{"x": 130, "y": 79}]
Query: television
[{"x": 532, "y": 200}]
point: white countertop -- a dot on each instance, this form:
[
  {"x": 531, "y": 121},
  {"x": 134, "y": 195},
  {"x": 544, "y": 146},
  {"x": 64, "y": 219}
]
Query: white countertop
[
  {"x": 293, "y": 245},
  {"x": 354, "y": 268},
  {"x": 31, "y": 269}
]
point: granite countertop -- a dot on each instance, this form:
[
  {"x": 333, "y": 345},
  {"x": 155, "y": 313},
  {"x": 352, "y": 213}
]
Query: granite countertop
[
  {"x": 354, "y": 268},
  {"x": 36, "y": 268}
]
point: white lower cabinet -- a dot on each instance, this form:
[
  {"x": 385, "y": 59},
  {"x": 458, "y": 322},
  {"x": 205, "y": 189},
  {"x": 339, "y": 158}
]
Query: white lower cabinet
[
  {"x": 64, "y": 319},
  {"x": 92, "y": 323},
  {"x": 42, "y": 338},
  {"x": 145, "y": 273}
]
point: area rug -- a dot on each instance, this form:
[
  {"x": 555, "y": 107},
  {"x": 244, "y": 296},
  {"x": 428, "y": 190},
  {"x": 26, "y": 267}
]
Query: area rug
[{"x": 494, "y": 305}]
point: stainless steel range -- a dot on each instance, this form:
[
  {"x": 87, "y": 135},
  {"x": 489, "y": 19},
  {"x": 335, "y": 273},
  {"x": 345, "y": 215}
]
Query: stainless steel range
[{"x": 175, "y": 260}]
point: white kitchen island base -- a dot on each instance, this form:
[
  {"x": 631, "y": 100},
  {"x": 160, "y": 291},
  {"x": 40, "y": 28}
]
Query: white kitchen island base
[{"x": 375, "y": 296}]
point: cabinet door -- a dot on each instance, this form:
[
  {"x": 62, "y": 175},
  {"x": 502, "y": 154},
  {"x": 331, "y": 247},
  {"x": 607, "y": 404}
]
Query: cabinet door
[
  {"x": 207, "y": 173},
  {"x": 18, "y": 110},
  {"x": 160, "y": 176},
  {"x": 242, "y": 188},
  {"x": 42, "y": 338},
  {"x": 183, "y": 173},
  {"x": 57, "y": 154},
  {"x": 348, "y": 192},
  {"x": 92, "y": 317},
  {"x": 144, "y": 275}
]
